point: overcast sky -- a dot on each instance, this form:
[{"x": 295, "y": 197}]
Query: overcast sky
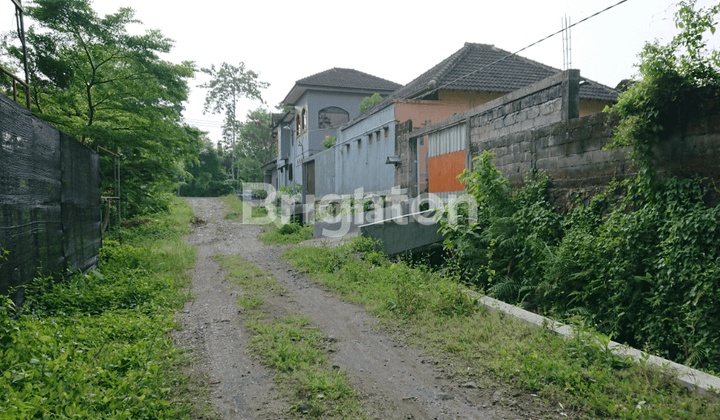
[{"x": 397, "y": 40}]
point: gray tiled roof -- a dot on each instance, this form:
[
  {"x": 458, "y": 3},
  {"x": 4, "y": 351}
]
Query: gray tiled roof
[
  {"x": 349, "y": 78},
  {"x": 482, "y": 67}
]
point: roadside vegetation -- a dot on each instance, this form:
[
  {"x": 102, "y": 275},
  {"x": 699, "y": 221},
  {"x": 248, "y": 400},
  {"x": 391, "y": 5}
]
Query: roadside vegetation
[
  {"x": 238, "y": 208},
  {"x": 291, "y": 233},
  {"x": 641, "y": 260},
  {"x": 434, "y": 311},
  {"x": 295, "y": 349},
  {"x": 97, "y": 345}
]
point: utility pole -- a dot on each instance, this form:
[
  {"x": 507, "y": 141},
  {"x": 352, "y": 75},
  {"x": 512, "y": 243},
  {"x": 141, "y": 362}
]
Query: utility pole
[{"x": 232, "y": 169}]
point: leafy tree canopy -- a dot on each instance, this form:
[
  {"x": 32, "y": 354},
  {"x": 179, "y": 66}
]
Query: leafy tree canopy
[
  {"x": 207, "y": 177},
  {"x": 256, "y": 145},
  {"x": 106, "y": 87},
  {"x": 369, "y": 101},
  {"x": 228, "y": 84}
]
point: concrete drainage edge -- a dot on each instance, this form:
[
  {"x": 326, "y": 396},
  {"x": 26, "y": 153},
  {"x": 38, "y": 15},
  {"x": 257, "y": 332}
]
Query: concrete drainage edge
[{"x": 699, "y": 382}]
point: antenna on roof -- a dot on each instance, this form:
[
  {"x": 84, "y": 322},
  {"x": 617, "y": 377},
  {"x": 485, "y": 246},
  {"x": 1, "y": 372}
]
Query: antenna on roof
[{"x": 565, "y": 24}]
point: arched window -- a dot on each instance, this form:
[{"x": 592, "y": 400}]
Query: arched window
[
  {"x": 331, "y": 117},
  {"x": 298, "y": 127},
  {"x": 304, "y": 119}
]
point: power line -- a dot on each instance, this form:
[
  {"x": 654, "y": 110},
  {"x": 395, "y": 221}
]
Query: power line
[
  {"x": 211, "y": 124},
  {"x": 203, "y": 121},
  {"x": 516, "y": 52}
]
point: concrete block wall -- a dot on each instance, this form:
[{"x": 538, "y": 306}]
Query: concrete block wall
[
  {"x": 537, "y": 105},
  {"x": 539, "y": 127},
  {"x": 546, "y": 102},
  {"x": 571, "y": 151},
  {"x": 539, "y": 109}
]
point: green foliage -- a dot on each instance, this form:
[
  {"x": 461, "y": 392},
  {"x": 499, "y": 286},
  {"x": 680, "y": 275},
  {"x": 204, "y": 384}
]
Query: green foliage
[
  {"x": 647, "y": 272},
  {"x": 499, "y": 252},
  {"x": 359, "y": 268},
  {"x": 7, "y": 310},
  {"x": 291, "y": 189},
  {"x": 98, "y": 344},
  {"x": 255, "y": 145},
  {"x": 106, "y": 87},
  {"x": 369, "y": 101},
  {"x": 639, "y": 262},
  {"x": 329, "y": 141},
  {"x": 209, "y": 179},
  {"x": 433, "y": 311},
  {"x": 668, "y": 73},
  {"x": 291, "y": 233}
]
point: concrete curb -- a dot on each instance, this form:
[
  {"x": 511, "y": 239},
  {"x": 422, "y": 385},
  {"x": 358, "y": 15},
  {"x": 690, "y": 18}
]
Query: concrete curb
[{"x": 699, "y": 382}]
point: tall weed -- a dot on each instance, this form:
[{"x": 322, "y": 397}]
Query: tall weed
[
  {"x": 96, "y": 345},
  {"x": 436, "y": 313},
  {"x": 640, "y": 261}
]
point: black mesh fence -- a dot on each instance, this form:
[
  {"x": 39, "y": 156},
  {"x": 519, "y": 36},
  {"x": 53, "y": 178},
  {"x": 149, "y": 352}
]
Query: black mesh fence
[{"x": 49, "y": 199}]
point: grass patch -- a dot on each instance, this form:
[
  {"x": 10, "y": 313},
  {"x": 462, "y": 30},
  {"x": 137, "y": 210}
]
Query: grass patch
[
  {"x": 293, "y": 347},
  {"x": 580, "y": 372},
  {"x": 238, "y": 208},
  {"x": 97, "y": 345},
  {"x": 291, "y": 233}
]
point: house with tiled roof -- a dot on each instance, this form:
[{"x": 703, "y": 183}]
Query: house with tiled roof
[
  {"x": 320, "y": 104},
  {"x": 472, "y": 76}
]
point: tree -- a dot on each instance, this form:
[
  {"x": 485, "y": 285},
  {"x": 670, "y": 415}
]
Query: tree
[
  {"x": 207, "y": 175},
  {"x": 256, "y": 145},
  {"x": 228, "y": 84},
  {"x": 369, "y": 101},
  {"x": 105, "y": 87}
]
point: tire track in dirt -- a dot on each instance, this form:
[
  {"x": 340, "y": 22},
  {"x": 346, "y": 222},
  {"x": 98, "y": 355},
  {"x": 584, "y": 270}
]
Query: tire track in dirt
[
  {"x": 393, "y": 379},
  {"x": 241, "y": 388}
]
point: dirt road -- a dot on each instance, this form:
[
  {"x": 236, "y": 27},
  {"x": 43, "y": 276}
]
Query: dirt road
[{"x": 393, "y": 379}]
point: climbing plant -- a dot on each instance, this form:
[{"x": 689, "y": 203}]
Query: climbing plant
[
  {"x": 641, "y": 261},
  {"x": 667, "y": 74}
]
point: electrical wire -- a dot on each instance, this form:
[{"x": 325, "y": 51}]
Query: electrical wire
[{"x": 410, "y": 97}]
